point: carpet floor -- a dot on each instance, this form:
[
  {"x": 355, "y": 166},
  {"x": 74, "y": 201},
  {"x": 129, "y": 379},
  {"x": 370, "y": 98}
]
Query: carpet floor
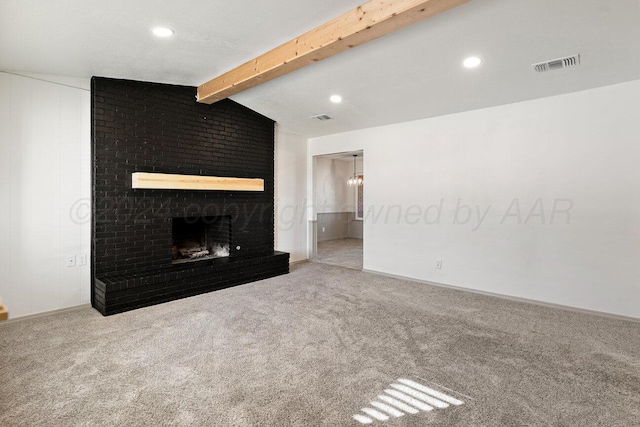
[
  {"x": 316, "y": 348},
  {"x": 341, "y": 252}
]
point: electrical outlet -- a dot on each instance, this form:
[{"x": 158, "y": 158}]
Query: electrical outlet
[
  {"x": 81, "y": 259},
  {"x": 438, "y": 263},
  {"x": 71, "y": 261},
  {"x": 323, "y": 229}
]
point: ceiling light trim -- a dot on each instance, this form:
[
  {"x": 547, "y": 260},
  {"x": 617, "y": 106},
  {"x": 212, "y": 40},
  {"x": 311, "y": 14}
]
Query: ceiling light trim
[
  {"x": 472, "y": 62},
  {"x": 162, "y": 32}
]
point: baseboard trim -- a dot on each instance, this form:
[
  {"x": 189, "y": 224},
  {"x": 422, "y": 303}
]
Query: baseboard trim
[
  {"x": 510, "y": 298},
  {"x": 300, "y": 261},
  {"x": 44, "y": 313}
]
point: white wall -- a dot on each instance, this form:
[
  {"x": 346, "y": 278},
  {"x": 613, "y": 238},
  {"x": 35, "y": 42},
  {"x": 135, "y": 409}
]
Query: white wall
[
  {"x": 44, "y": 193},
  {"x": 291, "y": 187},
  {"x": 332, "y": 194},
  {"x": 578, "y": 152}
]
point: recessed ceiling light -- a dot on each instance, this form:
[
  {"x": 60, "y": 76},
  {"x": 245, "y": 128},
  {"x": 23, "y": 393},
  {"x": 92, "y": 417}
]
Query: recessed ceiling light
[
  {"x": 162, "y": 31},
  {"x": 472, "y": 62},
  {"x": 336, "y": 99}
]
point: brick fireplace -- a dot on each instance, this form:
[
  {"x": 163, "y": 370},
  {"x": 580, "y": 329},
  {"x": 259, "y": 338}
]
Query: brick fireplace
[{"x": 155, "y": 245}]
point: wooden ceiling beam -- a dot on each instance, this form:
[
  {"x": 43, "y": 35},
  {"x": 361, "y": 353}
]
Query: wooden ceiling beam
[{"x": 373, "y": 19}]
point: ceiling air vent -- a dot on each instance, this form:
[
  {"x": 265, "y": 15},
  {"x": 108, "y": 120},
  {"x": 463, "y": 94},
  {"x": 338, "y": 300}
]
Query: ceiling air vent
[
  {"x": 321, "y": 117},
  {"x": 556, "y": 64}
]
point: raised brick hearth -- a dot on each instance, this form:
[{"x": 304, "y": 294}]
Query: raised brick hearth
[{"x": 150, "y": 127}]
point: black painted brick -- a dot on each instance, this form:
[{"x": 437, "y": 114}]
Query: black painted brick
[{"x": 152, "y": 127}]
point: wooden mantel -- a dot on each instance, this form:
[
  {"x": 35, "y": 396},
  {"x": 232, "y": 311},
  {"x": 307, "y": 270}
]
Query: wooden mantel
[
  {"x": 163, "y": 181},
  {"x": 4, "y": 314},
  {"x": 367, "y": 22}
]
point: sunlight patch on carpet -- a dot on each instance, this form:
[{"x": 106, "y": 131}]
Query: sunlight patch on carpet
[{"x": 403, "y": 397}]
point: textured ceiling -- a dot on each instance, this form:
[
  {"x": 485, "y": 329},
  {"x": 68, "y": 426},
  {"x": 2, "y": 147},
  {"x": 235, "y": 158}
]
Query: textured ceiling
[{"x": 411, "y": 74}]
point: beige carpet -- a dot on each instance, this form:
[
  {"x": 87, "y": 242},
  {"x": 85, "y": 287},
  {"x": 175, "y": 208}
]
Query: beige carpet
[
  {"x": 314, "y": 348},
  {"x": 341, "y": 252}
]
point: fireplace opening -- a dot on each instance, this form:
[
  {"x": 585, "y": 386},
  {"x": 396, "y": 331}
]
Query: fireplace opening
[{"x": 200, "y": 238}]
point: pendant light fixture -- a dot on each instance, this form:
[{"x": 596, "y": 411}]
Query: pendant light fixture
[{"x": 355, "y": 180}]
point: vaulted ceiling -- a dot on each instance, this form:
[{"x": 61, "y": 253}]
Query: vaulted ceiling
[{"x": 411, "y": 74}]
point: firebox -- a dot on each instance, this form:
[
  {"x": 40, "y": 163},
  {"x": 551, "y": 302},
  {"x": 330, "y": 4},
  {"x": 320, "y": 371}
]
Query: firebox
[{"x": 200, "y": 238}]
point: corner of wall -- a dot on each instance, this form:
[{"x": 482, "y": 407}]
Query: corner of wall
[{"x": 291, "y": 187}]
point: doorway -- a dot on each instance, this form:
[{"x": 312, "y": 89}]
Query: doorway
[{"x": 339, "y": 209}]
